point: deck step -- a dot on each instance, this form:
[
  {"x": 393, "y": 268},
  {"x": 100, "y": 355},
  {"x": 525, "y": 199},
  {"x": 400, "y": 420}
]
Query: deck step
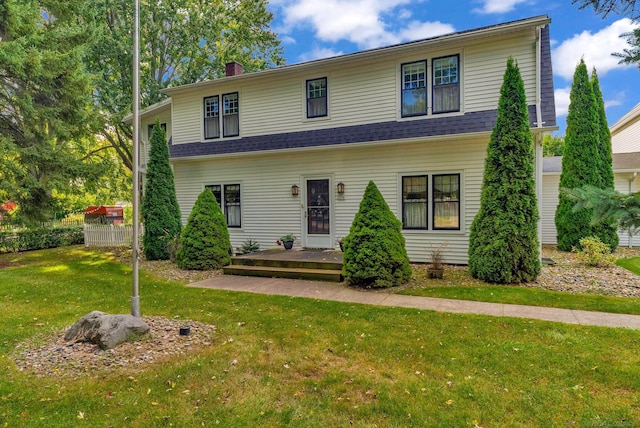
[
  {"x": 277, "y": 263},
  {"x": 323, "y": 274}
]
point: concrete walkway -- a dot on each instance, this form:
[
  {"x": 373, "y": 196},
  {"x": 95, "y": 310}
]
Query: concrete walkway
[{"x": 340, "y": 293}]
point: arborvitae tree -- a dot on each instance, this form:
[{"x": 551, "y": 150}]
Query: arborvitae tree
[
  {"x": 606, "y": 230},
  {"x": 204, "y": 243},
  {"x": 503, "y": 245},
  {"x": 160, "y": 210},
  {"x": 374, "y": 251},
  {"x": 581, "y": 161}
]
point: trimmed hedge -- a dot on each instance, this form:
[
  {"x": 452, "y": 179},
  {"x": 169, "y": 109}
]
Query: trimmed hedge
[
  {"x": 204, "y": 243},
  {"x": 374, "y": 251},
  {"x": 39, "y": 239}
]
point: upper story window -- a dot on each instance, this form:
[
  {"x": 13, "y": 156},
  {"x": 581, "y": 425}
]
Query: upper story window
[
  {"x": 230, "y": 115},
  {"x": 230, "y": 124},
  {"x": 414, "y": 88},
  {"x": 446, "y": 84},
  {"x": 229, "y": 202},
  {"x": 317, "y": 98},
  {"x": 150, "y": 130},
  {"x": 212, "y": 117},
  {"x": 444, "y": 195}
]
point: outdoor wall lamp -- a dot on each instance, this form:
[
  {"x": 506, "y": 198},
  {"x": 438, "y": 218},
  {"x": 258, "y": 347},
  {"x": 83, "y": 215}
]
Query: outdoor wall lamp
[
  {"x": 294, "y": 190},
  {"x": 341, "y": 188}
]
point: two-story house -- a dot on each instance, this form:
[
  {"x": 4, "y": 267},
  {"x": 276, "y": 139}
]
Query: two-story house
[{"x": 291, "y": 149}]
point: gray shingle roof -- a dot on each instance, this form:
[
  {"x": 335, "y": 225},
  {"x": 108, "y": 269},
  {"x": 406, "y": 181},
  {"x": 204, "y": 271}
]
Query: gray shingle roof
[{"x": 621, "y": 162}]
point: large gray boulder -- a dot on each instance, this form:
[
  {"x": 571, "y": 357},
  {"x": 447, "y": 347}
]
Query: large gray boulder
[{"x": 106, "y": 331}]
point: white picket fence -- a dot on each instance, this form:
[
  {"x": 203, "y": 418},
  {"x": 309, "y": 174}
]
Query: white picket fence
[{"x": 101, "y": 235}]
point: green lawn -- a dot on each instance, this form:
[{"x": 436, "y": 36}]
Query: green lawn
[{"x": 308, "y": 363}]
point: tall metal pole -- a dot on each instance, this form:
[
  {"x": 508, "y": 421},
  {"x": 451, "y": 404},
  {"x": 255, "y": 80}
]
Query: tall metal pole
[{"x": 135, "y": 298}]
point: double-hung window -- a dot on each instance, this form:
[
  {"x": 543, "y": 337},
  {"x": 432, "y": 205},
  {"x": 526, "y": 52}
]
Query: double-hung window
[
  {"x": 446, "y": 84},
  {"x": 444, "y": 194},
  {"x": 228, "y": 197},
  {"x": 230, "y": 115},
  {"x": 212, "y": 117},
  {"x": 150, "y": 130},
  {"x": 414, "y": 202},
  {"x": 414, "y": 88},
  {"x": 317, "y": 98},
  {"x": 228, "y": 121},
  {"x": 446, "y": 201}
]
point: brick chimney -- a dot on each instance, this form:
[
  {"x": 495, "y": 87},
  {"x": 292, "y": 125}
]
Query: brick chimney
[{"x": 233, "y": 69}]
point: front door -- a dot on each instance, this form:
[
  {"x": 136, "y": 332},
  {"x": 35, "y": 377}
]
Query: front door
[{"x": 318, "y": 214}]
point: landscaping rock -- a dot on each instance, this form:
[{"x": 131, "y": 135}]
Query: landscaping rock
[{"x": 106, "y": 331}]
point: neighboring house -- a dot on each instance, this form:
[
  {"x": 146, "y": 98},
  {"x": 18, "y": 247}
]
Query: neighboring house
[
  {"x": 291, "y": 149},
  {"x": 625, "y": 143},
  {"x": 625, "y": 133}
]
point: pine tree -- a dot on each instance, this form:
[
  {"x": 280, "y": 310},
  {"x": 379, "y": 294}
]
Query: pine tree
[
  {"x": 204, "y": 243},
  {"x": 503, "y": 245},
  {"x": 605, "y": 230},
  {"x": 374, "y": 251},
  {"x": 160, "y": 210},
  {"x": 581, "y": 161},
  {"x": 45, "y": 104}
]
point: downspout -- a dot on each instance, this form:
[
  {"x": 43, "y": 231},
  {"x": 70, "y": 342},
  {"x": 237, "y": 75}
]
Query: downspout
[
  {"x": 538, "y": 137},
  {"x": 631, "y": 180}
]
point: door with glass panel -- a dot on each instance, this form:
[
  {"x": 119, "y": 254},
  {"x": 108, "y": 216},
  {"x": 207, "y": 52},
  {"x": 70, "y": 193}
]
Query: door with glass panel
[{"x": 317, "y": 212}]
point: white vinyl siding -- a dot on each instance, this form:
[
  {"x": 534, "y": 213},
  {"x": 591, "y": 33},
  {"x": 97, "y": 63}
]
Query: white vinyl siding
[
  {"x": 484, "y": 66},
  {"x": 627, "y": 140},
  {"x": 165, "y": 118},
  {"x": 269, "y": 211},
  {"x": 360, "y": 92}
]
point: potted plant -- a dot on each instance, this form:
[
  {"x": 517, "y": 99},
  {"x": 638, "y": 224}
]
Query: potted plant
[
  {"x": 287, "y": 241},
  {"x": 436, "y": 270}
]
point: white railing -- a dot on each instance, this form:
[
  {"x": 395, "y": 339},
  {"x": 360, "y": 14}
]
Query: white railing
[{"x": 101, "y": 235}]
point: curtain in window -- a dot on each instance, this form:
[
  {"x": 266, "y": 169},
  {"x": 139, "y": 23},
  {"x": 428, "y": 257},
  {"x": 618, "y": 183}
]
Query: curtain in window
[
  {"x": 211, "y": 127},
  {"x": 445, "y": 215},
  {"x": 415, "y": 215},
  {"x": 446, "y": 98},
  {"x": 317, "y": 107},
  {"x": 232, "y": 205},
  {"x": 231, "y": 125},
  {"x": 414, "y": 202}
]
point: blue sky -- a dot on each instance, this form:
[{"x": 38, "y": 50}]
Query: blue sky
[{"x": 312, "y": 29}]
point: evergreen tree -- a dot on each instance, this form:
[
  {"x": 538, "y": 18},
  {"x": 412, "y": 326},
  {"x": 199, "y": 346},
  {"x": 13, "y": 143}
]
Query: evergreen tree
[
  {"x": 204, "y": 243},
  {"x": 503, "y": 245},
  {"x": 160, "y": 210},
  {"x": 45, "y": 104},
  {"x": 581, "y": 162},
  {"x": 374, "y": 251},
  {"x": 606, "y": 231}
]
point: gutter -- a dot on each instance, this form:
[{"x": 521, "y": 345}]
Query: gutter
[{"x": 631, "y": 180}]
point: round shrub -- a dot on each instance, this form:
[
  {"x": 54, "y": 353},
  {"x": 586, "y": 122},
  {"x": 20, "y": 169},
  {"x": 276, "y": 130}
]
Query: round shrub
[
  {"x": 204, "y": 243},
  {"x": 374, "y": 251}
]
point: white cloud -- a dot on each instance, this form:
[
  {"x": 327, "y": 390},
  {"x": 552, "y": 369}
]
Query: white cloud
[
  {"x": 561, "y": 96},
  {"x": 498, "y": 6},
  {"x": 596, "y": 49},
  {"x": 357, "y": 21},
  {"x": 319, "y": 53}
]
